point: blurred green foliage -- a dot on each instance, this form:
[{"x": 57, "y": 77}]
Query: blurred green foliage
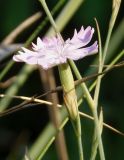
[{"x": 24, "y": 126}]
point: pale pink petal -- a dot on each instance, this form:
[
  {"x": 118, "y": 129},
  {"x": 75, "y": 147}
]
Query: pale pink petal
[
  {"x": 76, "y": 35},
  {"x": 34, "y": 47},
  {"x": 81, "y": 31},
  {"x": 17, "y": 58},
  {"x": 25, "y": 57},
  {"x": 40, "y": 43},
  {"x": 53, "y": 51},
  {"x": 82, "y": 38},
  {"x": 82, "y": 52}
]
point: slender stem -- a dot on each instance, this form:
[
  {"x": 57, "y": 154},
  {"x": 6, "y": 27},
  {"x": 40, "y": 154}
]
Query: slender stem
[
  {"x": 49, "y": 15},
  {"x": 98, "y": 132},
  {"x": 96, "y": 97},
  {"x": 46, "y": 148},
  {"x": 95, "y": 139},
  {"x": 97, "y": 89},
  {"x": 106, "y": 45},
  {"x": 115, "y": 9},
  {"x": 92, "y": 107},
  {"x": 79, "y": 138}
]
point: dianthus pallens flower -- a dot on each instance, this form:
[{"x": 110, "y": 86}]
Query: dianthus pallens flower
[{"x": 53, "y": 51}]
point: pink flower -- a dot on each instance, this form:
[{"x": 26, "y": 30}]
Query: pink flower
[{"x": 53, "y": 51}]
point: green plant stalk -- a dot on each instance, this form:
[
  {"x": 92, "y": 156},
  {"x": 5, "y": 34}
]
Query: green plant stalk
[
  {"x": 100, "y": 68},
  {"x": 70, "y": 100},
  {"x": 95, "y": 141},
  {"x": 79, "y": 137},
  {"x": 115, "y": 9},
  {"x": 43, "y": 24},
  {"x": 92, "y": 107},
  {"x": 96, "y": 93},
  {"x": 67, "y": 12},
  {"x": 70, "y": 97},
  {"x": 49, "y": 15},
  {"x": 67, "y": 81},
  {"x": 46, "y": 148},
  {"x": 98, "y": 133}
]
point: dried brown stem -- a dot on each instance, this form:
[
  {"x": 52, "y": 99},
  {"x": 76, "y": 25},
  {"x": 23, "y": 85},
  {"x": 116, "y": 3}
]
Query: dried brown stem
[{"x": 28, "y": 100}]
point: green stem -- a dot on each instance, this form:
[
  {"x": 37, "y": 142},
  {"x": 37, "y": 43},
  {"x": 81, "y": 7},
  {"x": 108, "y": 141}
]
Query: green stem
[
  {"x": 49, "y": 15},
  {"x": 46, "y": 148},
  {"x": 92, "y": 107},
  {"x": 43, "y": 23},
  {"x": 79, "y": 138},
  {"x": 96, "y": 94},
  {"x": 95, "y": 140},
  {"x": 98, "y": 132},
  {"x": 97, "y": 89},
  {"x": 72, "y": 109},
  {"x": 115, "y": 9}
]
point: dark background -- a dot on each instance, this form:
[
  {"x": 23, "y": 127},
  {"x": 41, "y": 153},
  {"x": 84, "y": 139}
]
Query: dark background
[{"x": 21, "y": 128}]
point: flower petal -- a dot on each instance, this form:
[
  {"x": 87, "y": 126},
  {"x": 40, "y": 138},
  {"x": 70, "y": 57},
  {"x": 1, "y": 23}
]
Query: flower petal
[
  {"x": 49, "y": 52},
  {"x": 25, "y": 57},
  {"x": 82, "y": 52},
  {"x": 82, "y": 38}
]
